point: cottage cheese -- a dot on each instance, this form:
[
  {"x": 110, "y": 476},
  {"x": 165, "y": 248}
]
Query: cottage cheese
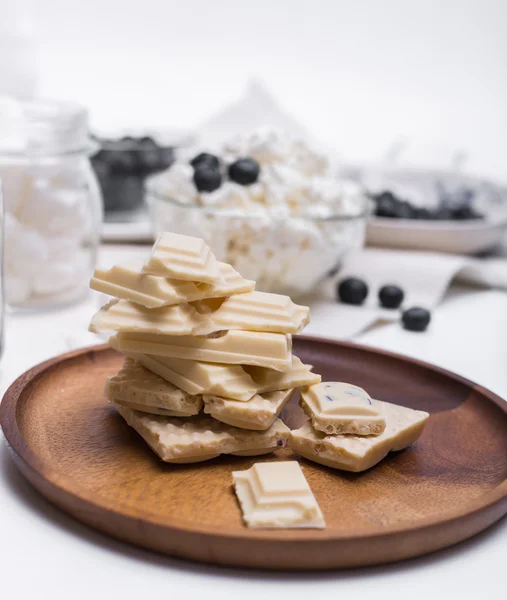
[{"x": 279, "y": 230}]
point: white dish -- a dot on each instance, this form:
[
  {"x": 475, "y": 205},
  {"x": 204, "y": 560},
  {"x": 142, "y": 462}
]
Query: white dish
[
  {"x": 455, "y": 237},
  {"x": 432, "y": 188}
]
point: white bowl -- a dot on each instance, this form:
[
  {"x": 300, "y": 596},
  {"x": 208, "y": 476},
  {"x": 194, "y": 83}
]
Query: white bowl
[{"x": 431, "y": 188}]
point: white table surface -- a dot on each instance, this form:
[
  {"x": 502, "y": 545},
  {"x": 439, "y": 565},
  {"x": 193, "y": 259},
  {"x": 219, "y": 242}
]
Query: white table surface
[{"x": 46, "y": 554}]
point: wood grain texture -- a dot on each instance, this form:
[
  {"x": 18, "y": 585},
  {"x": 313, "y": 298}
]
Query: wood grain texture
[{"x": 80, "y": 454}]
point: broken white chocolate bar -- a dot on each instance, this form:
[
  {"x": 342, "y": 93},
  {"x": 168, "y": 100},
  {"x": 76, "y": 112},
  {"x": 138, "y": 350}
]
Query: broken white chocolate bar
[
  {"x": 256, "y": 311},
  {"x": 129, "y": 283},
  {"x": 231, "y": 283},
  {"x": 121, "y": 315},
  {"x": 183, "y": 257},
  {"x": 201, "y": 438},
  {"x": 336, "y": 408},
  {"x": 358, "y": 453},
  {"x": 277, "y": 495},
  {"x": 271, "y": 350},
  {"x": 268, "y": 380},
  {"x": 258, "y": 413},
  {"x": 139, "y": 388},
  {"x": 196, "y": 318},
  {"x": 202, "y": 378}
]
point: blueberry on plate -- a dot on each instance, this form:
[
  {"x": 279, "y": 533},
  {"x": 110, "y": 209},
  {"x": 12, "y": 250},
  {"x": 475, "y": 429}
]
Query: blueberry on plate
[
  {"x": 206, "y": 178},
  {"x": 204, "y": 158},
  {"x": 390, "y": 296},
  {"x": 244, "y": 171},
  {"x": 352, "y": 290},
  {"x": 416, "y": 319}
]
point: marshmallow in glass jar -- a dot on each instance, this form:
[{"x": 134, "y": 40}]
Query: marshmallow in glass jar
[
  {"x": 53, "y": 207},
  {"x": 268, "y": 204}
]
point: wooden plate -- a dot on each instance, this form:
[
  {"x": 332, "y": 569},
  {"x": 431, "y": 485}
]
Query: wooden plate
[{"x": 79, "y": 453}]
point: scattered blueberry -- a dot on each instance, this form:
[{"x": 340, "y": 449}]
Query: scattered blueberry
[
  {"x": 416, "y": 319},
  {"x": 204, "y": 158},
  {"x": 391, "y": 296},
  {"x": 206, "y": 178},
  {"x": 244, "y": 171},
  {"x": 352, "y": 290}
]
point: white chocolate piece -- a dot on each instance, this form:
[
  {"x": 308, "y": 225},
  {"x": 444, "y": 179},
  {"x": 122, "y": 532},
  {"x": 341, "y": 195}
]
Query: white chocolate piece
[
  {"x": 183, "y": 257},
  {"x": 256, "y": 311},
  {"x": 154, "y": 410},
  {"x": 129, "y": 283},
  {"x": 202, "y": 378},
  {"x": 200, "y": 438},
  {"x": 269, "y": 380},
  {"x": 247, "y": 312},
  {"x": 142, "y": 389},
  {"x": 358, "y": 453},
  {"x": 231, "y": 283},
  {"x": 272, "y": 350},
  {"x": 337, "y": 408},
  {"x": 258, "y": 413},
  {"x": 120, "y": 315},
  {"x": 276, "y": 495}
]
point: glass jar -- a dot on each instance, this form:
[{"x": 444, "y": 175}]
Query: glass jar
[{"x": 53, "y": 206}]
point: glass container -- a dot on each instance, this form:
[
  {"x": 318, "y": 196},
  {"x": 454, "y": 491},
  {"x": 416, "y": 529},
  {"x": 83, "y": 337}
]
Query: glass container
[
  {"x": 53, "y": 207},
  {"x": 285, "y": 255}
]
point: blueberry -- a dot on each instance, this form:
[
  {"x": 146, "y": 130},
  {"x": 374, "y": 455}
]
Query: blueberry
[
  {"x": 204, "y": 158},
  {"x": 386, "y": 205},
  {"x": 166, "y": 154},
  {"x": 416, "y": 319},
  {"x": 147, "y": 143},
  {"x": 123, "y": 161},
  {"x": 443, "y": 213},
  {"x": 244, "y": 171},
  {"x": 464, "y": 213},
  {"x": 149, "y": 159},
  {"x": 207, "y": 178},
  {"x": 391, "y": 296},
  {"x": 404, "y": 210},
  {"x": 352, "y": 290},
  {"x": 424, "y": 214}
]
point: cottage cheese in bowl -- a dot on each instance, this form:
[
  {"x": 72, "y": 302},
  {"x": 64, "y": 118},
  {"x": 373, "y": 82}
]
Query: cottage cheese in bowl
[{"x": 268, "y": 204}]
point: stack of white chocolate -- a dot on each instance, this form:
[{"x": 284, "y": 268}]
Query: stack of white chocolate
[{"x": 196, "y": 336}]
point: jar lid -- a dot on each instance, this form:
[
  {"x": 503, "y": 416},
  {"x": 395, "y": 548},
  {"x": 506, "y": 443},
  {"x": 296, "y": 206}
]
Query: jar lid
[{"x": 42, "y": 127}]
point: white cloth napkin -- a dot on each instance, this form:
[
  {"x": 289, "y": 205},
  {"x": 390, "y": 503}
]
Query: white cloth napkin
[{"x": 424, "y": 277}]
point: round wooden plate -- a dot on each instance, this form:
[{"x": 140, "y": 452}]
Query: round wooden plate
[{"x": 79, "y": 453}]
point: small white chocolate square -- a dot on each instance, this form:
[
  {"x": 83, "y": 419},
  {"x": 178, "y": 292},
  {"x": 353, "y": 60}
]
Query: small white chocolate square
[
  {"x": 276, "y": 495},
  {"x": 358, "y": 453},
  {"x": 183, "y": 257},
  {"x": 342, "y": 408}
]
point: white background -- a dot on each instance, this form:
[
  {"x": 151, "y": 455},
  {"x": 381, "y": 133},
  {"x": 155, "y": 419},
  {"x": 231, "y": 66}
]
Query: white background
[{"x": 359, "y": 74}]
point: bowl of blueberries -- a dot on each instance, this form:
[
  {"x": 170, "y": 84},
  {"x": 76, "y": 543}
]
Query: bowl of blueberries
[
  {"x": 123, "y": 163},
  {"x": 435, "y": 210}
]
